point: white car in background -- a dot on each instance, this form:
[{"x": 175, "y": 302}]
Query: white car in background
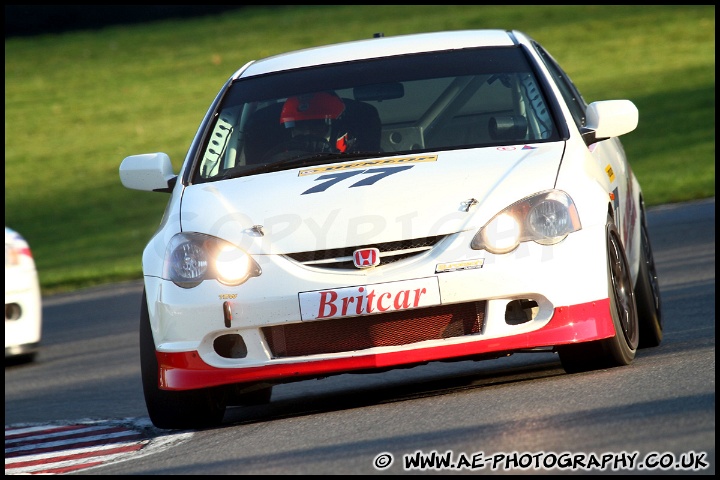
[
  {"x": 23, "y": 304},
  {"x": 386, "y": 203}
]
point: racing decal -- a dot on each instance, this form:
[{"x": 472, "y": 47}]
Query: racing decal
[
  {"x": 366, "y": 163},
  {"x": 610, "y": 173},
  {"x": 375, "y": 175},
  {"x": 506, "y": 149},
  {"x": 615, "y": 199},
  {"x": 457, "y": 266},
  {"x": 368, "y": 299},
  {"x": 528, "y": 147}
]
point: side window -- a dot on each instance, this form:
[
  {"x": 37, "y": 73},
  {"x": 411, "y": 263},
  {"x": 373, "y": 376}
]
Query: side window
[
  {"x": 217, "y": 147},
  {"x": 570, "y": 93}
]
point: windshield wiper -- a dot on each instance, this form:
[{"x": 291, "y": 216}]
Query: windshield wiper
[{"x": 317, "y": 159}]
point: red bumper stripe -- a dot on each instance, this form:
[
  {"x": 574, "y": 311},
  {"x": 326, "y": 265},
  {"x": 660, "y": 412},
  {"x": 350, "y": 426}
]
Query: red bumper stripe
[{"x": 576, "y": 323}]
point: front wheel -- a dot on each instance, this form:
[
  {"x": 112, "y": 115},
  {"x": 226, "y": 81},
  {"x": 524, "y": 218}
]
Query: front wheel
[
  {"x": 174, "y": 409},
  {"x": 647, "y": 292},
  {"x": 621, "y": 348}
]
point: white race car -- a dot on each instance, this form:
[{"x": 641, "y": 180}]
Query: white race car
[
  {"x": 391, "y": 202},
  {"x": 23, "y": 302}
]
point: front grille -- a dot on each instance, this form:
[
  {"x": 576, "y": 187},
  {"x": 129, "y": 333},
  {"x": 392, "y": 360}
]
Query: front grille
[
  {"x": 381, "y": 330},
  {"x": 342, "y": 258}
]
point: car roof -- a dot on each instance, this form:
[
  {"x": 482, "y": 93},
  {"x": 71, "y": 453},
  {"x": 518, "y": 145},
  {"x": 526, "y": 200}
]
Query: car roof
[{"x": 379, "y": 46}]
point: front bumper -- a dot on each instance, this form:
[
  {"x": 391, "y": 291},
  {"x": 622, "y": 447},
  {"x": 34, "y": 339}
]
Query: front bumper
[
  {"x": 566, "y": 285},
  {"x": 581, "y": 323}
]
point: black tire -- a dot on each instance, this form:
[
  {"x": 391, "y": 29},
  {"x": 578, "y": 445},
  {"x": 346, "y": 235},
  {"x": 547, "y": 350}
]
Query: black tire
[
  {"x": 647, "y": 293},
  {"x": 620, "y": 349},
  {"x": 21, "y": 359},
  {"x": 174, "y": 409}
]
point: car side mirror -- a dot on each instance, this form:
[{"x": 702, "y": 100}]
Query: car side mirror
[
  {"x": 151, "y": 172},
  {"x": 609, "y": 118}
]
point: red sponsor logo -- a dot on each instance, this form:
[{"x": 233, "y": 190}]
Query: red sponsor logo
[
  {"x": 333, "y": 304},
  {"x": 366, "y": 257},
  {"x": 369, "y": 299}
]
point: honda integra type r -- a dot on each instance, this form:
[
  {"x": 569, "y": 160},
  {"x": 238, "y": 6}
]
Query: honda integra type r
[{"x": 390, "y": 202}]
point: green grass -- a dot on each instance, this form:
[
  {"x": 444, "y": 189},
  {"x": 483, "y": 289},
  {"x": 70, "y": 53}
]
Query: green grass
[{"x": 76, "y": 104}]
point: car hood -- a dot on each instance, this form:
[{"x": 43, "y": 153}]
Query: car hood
[{"x": 368, "y": 201}]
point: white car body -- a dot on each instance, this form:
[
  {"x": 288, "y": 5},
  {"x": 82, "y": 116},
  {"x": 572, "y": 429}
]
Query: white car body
[
  {"x": 295, "y": 317},
  {"x": 23, "y": 304}
]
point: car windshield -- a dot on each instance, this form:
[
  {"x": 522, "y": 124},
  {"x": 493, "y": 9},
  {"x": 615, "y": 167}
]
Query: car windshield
[{"x": 399, "y": 105}]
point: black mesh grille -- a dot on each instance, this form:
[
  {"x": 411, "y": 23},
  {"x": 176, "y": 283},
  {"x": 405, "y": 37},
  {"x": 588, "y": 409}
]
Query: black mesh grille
[
  {"x": 398, "y": 250},
  {"x": 387, "y": 329}
]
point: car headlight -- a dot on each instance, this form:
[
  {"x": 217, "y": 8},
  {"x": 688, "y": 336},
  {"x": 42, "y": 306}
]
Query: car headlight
[
  {"x": 546, "y": 218},
  {"x": 191, "y": 258}
]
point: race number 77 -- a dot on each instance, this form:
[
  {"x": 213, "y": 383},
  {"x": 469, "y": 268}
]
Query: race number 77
[{"x": 375, "y": 174}]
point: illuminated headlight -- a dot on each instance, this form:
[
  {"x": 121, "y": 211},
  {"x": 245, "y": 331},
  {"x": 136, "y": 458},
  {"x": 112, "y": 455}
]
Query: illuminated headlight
[
  {"x": 191, "y": 258},
  {"x": 546, "y": 218}
]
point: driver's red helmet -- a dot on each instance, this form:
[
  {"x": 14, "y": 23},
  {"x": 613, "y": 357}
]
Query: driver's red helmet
[{"x": 314, "y": 106}]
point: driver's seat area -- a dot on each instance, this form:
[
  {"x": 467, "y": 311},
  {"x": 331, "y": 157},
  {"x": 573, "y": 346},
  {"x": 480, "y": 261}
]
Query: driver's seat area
[
  {"x": 263, "y": 133},
  {"x": 363, "y": 122}
]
